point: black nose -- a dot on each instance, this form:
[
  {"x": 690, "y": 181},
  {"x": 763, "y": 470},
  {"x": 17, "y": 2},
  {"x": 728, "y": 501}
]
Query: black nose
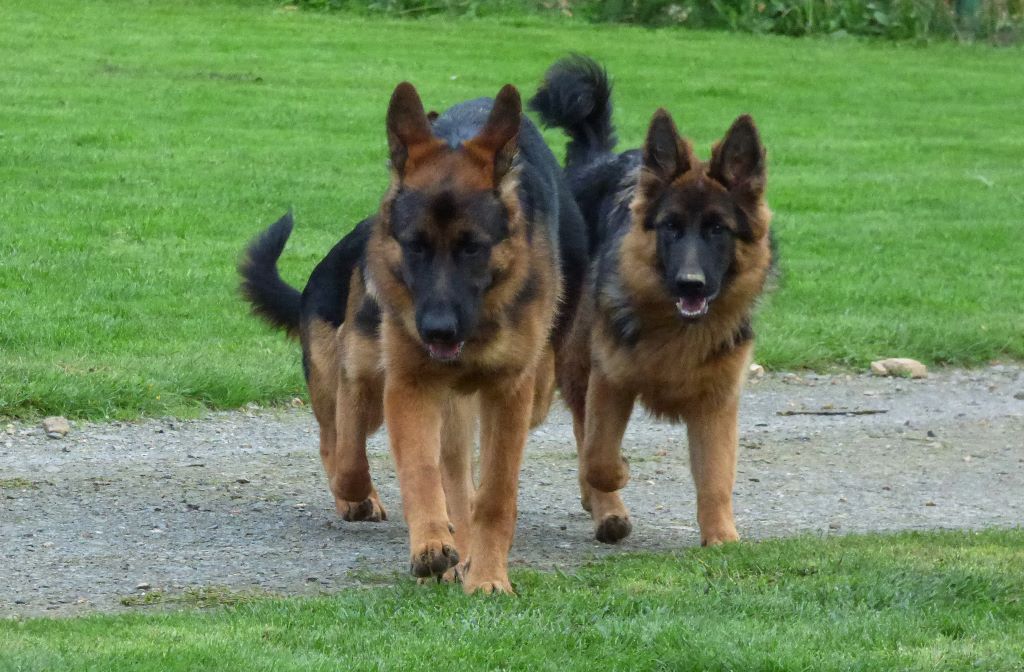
[
  {"x": 439, "y": 325},
  {"x": 690, "y": 284}
]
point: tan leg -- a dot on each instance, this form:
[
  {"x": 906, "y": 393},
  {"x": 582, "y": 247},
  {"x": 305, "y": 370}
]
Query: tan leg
[
  {"x": 413, "y": 418},
  {"x": 544, "y": 389},
  {"x": 457, "y": 434},
  {"x": 713, "y": 445},
  {"x": 505, "y": 420},
  {"x": 581, "y": 471},
  {"x": 356, "y": 416},
  {"x": 604, "y": 470}
]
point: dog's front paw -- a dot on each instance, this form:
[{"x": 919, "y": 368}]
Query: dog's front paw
[
  {"x": 723, "y": 534},
  {"x": 433, "y": 558},
  {"x": 612, "y": 528},
  {"x": 476, "y": 579}
]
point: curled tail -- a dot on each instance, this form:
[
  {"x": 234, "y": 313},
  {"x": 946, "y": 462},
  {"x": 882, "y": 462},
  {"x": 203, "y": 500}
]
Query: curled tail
[
  {"x": 272, "y": 299},
  {"x": 576, "y": 96}
]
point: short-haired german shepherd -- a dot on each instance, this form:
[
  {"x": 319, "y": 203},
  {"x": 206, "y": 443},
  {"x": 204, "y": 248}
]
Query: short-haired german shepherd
[
  {"x": 444, "y": 306},
  {"x": 682, "y": 251}
]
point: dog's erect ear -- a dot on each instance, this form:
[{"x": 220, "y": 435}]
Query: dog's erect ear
[
  {"x": 409, "y": 134},
  {"x": 666, "y": 154},
  {"x": 738, "y": 161},
  {"x": 497, "y": 142}
]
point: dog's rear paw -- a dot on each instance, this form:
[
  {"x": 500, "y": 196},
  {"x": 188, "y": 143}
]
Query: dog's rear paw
[
  {"x": 718, "y": 537},
  {"x": 433, "y": 559},
  {"x": 612, "y": 529},
  {"x": 456, "y": 573},
  {"x": 369, "y": 510},
  {"x": 489, "y": 587}
]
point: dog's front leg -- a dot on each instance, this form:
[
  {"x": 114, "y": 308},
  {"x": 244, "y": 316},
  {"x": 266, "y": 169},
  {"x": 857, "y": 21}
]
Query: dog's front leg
[
  {"x": 713, "y": 435},
  {"x": 412, "y": 413},
  {"x": 457, "y": 436},
  {"x": 505, "y": 420}
]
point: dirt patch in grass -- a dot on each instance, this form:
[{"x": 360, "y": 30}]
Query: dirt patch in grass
[{"x": 239, "y": 501}]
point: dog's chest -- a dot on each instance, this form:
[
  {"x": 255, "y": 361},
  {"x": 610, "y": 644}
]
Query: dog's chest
[{"x": 674, "y": 373}]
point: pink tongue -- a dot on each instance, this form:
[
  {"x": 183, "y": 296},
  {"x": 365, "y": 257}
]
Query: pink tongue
[
  {"x": 444, "y": 351},
  {"x": 692, "y": 305}
]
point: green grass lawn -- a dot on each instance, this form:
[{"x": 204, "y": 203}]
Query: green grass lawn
[
  {"x": 143, "y": 143},
  {"x": 938, "y": 601}
]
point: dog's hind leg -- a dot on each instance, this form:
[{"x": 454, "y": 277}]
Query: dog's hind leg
[
  {"x": 544, "y": 389},
  {"x": 357, "y": 416},
  {"x": 604, "y": 471}
]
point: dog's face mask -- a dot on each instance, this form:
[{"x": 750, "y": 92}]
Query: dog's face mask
[
  {"x": 698, "y": 212},
  {"x": 447, "y": 214}
]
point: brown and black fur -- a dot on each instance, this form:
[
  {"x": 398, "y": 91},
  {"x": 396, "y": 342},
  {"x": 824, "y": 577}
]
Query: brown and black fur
[
  {"x": 453, "y": 310},
  {"x": 681, "y": 252}
]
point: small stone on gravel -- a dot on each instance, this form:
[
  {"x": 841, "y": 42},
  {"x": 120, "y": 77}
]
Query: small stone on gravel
[
  {"x": 56, "y": 426},
  {"x": 899, "y": 366},
  {"x": 757, "y": 371},
  {"x": 1019, "y": 395},
  {"x": 143, "y": 586}
]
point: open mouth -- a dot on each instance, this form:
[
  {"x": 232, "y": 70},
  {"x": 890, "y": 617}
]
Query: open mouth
[
  {"x": 445, "y": 352},
  {"x": 693, "y": 307}
]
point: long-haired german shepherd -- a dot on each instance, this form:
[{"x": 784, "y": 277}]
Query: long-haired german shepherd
[
  {"x": 682, "y": 252},
  {"x": 444, "y": 306}
]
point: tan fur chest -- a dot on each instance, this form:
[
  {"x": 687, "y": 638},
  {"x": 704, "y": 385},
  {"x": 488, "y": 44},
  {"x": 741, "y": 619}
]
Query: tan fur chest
[{"x": 675, "y": 370}]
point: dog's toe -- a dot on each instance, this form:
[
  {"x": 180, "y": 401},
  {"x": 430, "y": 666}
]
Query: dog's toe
[{"x": 613, "y": 529}]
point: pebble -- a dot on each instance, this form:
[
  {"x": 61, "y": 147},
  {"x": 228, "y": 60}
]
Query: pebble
[
  {"x": 56, "y": 426},
  {"x": 143, "y": 586},
  {"x": 757, "y": 371},
  {"x": 899, "y": 366}
]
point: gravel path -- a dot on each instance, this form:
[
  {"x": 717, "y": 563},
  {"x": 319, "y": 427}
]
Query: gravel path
[{"x": 238, "y": 501}]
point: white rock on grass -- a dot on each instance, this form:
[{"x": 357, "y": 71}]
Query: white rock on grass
[
  {"x": 899, "y": 366},
  {"x": 757, "y": 371},
  {"x": 56, "y": 426}
]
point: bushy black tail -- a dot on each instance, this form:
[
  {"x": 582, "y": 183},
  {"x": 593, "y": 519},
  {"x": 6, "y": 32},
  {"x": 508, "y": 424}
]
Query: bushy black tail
[
  {"x": 272, "y": 298},
  {"x": 576, "y": 96}
]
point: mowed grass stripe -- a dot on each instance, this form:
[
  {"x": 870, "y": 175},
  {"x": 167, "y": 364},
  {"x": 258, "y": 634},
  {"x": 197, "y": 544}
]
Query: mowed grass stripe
[
  {"x": 914, "y": 601},
  {"x": 144, "y": 143}
]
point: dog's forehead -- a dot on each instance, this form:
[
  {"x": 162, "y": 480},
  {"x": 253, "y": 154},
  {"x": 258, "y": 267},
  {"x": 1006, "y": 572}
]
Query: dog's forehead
[
  {"x": 451, "y": 168},
  {"x": 444, "y": 211},
  {"x": 696, "y": 192}
]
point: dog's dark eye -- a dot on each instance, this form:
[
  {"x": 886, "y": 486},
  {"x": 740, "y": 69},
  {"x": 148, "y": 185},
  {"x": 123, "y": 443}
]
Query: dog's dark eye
[
  {"x": 675, "y": 226},
  {"x": 416, "y": 247},
  {"x": 714, "y": 225},
  {"x": 471, "y": 248}
]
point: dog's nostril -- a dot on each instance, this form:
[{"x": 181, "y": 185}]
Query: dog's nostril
[
  {"x": 691, "y": 283},
  {"x": 439, "y": 329}
]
